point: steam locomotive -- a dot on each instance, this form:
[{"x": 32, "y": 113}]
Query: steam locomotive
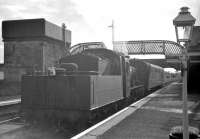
[{"x": 91, "y": 80}]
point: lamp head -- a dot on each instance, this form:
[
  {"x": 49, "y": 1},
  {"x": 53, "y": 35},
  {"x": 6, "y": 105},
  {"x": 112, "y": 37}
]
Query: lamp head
[{"x": 184, "y": 23}]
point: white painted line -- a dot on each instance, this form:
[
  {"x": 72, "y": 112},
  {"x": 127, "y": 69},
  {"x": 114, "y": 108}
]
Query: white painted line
[
  {"x": 10, "y": 102},
  {"x": 111, "y": 121},
  {"x": 173, "y": 110}
]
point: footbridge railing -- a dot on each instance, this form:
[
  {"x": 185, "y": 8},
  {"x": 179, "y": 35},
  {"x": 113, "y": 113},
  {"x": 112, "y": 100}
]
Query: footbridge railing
[{"x": 168, "y": 48}]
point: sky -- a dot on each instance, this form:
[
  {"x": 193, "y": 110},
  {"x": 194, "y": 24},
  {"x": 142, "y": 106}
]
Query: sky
[{"x": 89, "y": 19}]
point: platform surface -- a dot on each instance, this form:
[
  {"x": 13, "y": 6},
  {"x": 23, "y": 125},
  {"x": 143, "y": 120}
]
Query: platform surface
[{"x": 151, "y": 118}]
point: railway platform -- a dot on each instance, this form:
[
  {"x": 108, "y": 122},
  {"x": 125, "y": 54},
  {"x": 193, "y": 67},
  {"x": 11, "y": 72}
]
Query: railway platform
[{"x": 150, "y": 118}]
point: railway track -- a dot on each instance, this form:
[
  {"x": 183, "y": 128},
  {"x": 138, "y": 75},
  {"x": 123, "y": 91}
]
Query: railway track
[
  {"x": 9, "y": 109},
  {"x": 9, "y": 120},
  {"x": 9, "y": 117}
]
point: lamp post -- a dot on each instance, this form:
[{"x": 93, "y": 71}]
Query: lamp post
[{"x": 184, "y": 23}]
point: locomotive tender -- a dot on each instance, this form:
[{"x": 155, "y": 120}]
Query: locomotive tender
[{"x": 89, "y": 81}]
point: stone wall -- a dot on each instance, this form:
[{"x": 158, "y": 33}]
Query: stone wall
[
  {"x": 25, "y": 57},
  {"x": 21, "y": 57},
  {"x": 52, "y": 53}
]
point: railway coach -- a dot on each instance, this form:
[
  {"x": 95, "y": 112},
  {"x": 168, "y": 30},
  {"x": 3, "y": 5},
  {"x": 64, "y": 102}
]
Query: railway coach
[{"x": 151, "y": 76}]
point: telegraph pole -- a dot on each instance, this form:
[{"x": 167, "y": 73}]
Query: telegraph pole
[{"x": 113, "y": 32}]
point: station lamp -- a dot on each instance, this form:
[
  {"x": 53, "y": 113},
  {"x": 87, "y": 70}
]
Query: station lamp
[{"x": 184, "y": 23}]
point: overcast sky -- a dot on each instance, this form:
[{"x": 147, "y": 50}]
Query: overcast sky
[{"x": 89, "y": 19}]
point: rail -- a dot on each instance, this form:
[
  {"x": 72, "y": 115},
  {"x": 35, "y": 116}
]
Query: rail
[
  {"x": 136, "y": 87},
  {"x": 10, "y": 102}
]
